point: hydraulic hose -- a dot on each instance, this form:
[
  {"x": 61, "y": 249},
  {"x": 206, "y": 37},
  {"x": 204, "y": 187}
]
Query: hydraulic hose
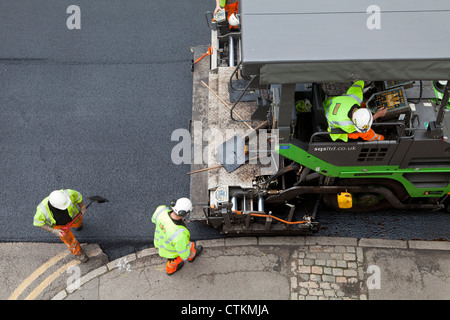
[{"x": 276, "y": 218}]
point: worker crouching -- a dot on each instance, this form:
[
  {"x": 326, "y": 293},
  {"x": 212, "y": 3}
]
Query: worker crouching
[
  {"x": 172, "y": 238},
  {"x": 58, "y": 210}
]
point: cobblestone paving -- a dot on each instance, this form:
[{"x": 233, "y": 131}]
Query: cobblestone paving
[{"x": 328, "y": 273}]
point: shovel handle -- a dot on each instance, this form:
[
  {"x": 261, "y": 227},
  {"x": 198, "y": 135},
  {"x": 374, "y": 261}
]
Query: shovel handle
[
  {"x": 93, "y": 199},
  {"x": 208, "y": 53},
  {"x": 66, "y": 228}
]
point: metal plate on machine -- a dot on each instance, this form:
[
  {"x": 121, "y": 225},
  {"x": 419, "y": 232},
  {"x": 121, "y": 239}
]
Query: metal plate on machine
[
  {"x": 221, "y": 194},
  {"x": 231, "y": 153}
]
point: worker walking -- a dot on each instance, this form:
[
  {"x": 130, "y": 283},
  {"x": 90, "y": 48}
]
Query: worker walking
[
  {"x": 348, "y": 112},
  {"x": 56, "y": 211},
  {"x": 172, "y": 238}
]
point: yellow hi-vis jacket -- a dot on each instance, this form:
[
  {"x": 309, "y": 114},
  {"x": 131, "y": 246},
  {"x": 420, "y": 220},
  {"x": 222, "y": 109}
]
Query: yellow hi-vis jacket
[
  {"x": 44, "y": 215},
  {"x": 337, "y": 108},
  {"x": 172, "y": 240}
]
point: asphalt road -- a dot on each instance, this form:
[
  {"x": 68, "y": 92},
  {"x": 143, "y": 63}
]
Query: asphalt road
[{"x": 93, "y": 110}]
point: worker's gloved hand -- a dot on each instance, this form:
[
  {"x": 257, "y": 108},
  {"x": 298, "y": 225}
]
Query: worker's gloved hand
[{"x": 363, "y": 105}]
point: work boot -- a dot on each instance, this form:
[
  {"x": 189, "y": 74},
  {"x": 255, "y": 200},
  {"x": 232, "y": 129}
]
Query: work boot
[
  {"x": 198, "y": 250},
  {"x": 82, "y": 257},
  {"x": 174, "y": 265}
]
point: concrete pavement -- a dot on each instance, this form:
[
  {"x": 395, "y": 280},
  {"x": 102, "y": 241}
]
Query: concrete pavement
[
  {"x": 265, "y": 268},
  {"x": 281, "y": 268}
]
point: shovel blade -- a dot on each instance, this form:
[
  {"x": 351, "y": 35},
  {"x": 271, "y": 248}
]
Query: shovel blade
[{"x": 97, "y": 199}]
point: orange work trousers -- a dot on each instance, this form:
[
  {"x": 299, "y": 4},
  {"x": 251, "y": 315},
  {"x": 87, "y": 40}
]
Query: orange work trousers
[
  {"x": 69, "y": 239},
  {"x": 368, "y": 136},
  {"x": 172, "y": 264}
]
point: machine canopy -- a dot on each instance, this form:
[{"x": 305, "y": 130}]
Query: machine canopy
[{"x": 292, "y": 41}]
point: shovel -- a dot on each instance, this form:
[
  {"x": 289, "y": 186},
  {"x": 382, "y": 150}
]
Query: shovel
[{"x": 92, "y": 199}]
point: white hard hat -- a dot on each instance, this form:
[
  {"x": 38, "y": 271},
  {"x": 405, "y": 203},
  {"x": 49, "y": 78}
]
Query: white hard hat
[
  {"x": 362, "y": 118},
  {"x": 182, "y": 207},
  {"x": 233, "y": 20},
  {"x": 443, "y": 82},
  {"x": 59, "y": 200}
]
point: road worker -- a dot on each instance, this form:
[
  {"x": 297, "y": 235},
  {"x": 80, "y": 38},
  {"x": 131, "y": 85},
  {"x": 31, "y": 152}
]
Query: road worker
[
  {"x": 230, "y": 6},
  {"x": 172, "y": 238},
  {"x": 349, "y": 113},
  {"x": 56, "y": 211}
]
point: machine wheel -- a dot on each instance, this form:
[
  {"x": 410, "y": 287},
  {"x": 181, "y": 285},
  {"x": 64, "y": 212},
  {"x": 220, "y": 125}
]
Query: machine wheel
[
  {"x": 366, "y": 202},
  {"x": 447, "y": 206}
]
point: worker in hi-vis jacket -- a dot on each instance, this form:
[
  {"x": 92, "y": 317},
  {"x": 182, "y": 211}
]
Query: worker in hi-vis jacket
[
  {"x": 56, "y": 211},
  {"x": 172, "y": 238},
  {"x": 349, "y": 113}
]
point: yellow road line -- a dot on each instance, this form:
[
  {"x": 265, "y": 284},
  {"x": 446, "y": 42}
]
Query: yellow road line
[
  {"x": 36, "y": 274},
  {"x": 44, "y": 284}
]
